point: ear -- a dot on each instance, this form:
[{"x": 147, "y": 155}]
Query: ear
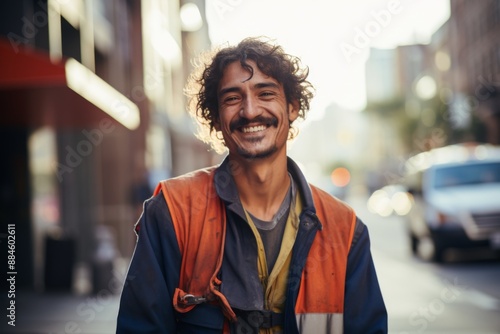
[{"x": 293, "y": 110}]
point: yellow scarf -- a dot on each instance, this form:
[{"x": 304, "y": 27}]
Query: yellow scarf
[{"x": 274, "y": 284}]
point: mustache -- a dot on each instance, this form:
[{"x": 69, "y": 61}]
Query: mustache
[{"x": 240, "y": 122}]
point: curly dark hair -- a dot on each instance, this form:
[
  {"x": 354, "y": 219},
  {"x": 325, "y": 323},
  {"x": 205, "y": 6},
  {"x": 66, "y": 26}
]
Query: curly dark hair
[{"x": 271, "y": 60}]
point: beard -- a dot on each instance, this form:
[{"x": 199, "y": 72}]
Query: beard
[
  {"x": 241, "y": 122},
  {"x": 255, "y": 156}
]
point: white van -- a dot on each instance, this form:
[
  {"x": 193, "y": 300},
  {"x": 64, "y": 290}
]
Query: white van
[{"x": 456, "y": 191}]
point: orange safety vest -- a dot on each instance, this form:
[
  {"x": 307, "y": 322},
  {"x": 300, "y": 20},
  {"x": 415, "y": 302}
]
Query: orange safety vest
[{"x": 199, "y": 219}]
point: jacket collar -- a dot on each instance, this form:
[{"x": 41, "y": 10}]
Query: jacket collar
[{"x": 227, "y": 191}]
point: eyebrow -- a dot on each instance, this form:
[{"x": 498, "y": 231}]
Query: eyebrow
[{"x": 259, "y": 85}]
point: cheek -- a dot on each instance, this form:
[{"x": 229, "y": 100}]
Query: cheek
[
  {"x": 220, "y": 122},
  {"x": 223, "y": 126},
  {"x": 226, "y": 118}
]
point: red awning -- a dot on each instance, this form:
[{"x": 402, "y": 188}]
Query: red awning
[{"x": 34, "y": 92}]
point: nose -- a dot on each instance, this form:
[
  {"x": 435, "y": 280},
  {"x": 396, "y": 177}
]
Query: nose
[{"x": 250, "y": 108}]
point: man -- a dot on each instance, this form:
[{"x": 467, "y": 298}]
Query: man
[{"x": 249, "y": 246}]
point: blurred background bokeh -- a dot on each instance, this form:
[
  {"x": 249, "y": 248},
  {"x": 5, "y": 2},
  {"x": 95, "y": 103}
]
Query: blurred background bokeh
[{"x": 94, "y": 115}]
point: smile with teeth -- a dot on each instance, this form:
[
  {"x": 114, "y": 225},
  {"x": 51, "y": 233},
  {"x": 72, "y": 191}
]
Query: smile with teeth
[{"x": 255, "y": 128}]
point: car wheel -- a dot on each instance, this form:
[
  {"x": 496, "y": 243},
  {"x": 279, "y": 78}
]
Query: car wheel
[{"x": 430, "y": 249}]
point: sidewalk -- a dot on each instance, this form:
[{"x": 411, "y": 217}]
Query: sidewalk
[{"x": 59, "y": 313}]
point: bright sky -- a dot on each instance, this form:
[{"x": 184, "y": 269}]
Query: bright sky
[{"x": 332, "y": 37}]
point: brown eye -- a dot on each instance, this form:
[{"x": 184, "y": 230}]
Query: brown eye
[
  {"x": 267, "y": 94},
  {"x": 231, "y": 99}
]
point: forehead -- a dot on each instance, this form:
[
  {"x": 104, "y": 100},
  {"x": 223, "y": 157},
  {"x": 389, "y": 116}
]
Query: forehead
[{"x": 236, "y": 75}]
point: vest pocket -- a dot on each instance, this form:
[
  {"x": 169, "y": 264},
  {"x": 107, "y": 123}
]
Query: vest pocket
[{"x": 205, "y": 318}]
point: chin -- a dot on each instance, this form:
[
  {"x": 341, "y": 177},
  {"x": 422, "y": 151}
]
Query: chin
[{"x": 257, "y": 155}]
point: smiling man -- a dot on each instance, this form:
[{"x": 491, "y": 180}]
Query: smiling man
[{"x": 249, "y": 246}]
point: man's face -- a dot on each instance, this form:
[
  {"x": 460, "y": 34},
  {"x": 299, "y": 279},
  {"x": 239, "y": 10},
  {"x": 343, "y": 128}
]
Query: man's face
[{"x": 254, "y": 116}]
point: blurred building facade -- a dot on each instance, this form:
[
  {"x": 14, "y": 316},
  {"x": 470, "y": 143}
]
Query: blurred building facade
[
  {"x": 475, "y": 62},
  {"x": 94, "y": 115},
  {"x": 341, "y": 133},
  {"x": 440, "y": 93}
]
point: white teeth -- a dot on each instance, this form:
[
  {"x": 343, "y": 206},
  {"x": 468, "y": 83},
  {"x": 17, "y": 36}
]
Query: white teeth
[{"x": 254, "y": 128}]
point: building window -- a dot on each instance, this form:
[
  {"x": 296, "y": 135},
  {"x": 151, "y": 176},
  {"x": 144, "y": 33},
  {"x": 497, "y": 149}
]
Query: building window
[{"x": 70, "y": 40}]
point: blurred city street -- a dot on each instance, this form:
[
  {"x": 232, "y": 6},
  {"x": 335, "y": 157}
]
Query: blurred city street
[
  {"x": 94, "y": 115},
  {"x": 461, "y": 296},
  {"x": 54, "y": 313}
]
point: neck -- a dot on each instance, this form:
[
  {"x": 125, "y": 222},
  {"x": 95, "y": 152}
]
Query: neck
[{"x": 262, "y": 185}]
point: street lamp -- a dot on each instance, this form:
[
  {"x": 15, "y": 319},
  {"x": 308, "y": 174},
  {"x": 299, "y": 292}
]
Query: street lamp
[
  {"x": 190, "y": 17},
  {"x": 425, "y": 87}
]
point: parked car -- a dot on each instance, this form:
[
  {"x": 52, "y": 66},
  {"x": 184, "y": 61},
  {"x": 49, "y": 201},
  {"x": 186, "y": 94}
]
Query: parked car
[{"x": 456, "y": 192}]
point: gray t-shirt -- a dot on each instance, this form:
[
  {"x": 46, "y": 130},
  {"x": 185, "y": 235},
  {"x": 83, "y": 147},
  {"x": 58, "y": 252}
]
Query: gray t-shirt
[{"x": 271, "y": 232}]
